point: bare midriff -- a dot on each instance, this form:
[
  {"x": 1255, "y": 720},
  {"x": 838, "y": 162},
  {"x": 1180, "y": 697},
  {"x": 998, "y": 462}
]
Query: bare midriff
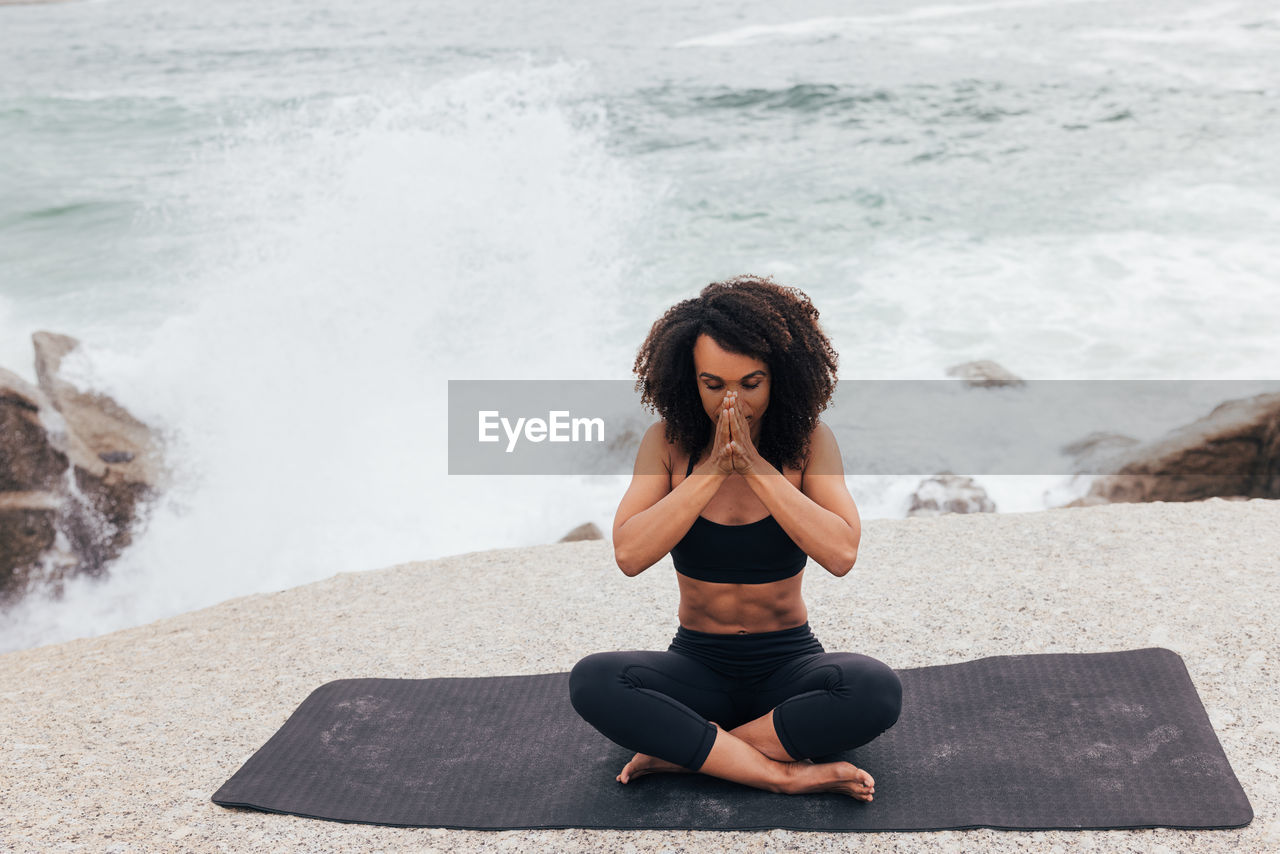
[{"x": 711, "y": 606}]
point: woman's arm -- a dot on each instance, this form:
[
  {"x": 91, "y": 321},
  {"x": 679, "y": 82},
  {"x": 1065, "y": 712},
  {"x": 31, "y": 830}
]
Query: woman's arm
[
  {"x": 820, "y": 517},
  {"x": 652, "y": 517}
]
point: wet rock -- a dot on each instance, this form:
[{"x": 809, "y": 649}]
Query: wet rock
[
  {"x": 1232, "y": 451},
  {"x": 1098, "y": 446},
  {"x": 949, "y": 493},
  {"x": 28, "y": 529},
  {"x": 95, "y": 424},
  {"x": 28, "y": 458},
  {"x": 76, "y": 471},
  {"x": 984, "y": 374}
]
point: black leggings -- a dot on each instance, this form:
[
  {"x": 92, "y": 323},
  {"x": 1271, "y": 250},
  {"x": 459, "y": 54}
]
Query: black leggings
[{"x": 662, "y": 703}]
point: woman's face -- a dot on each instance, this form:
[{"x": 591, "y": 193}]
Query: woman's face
[{"x": 718, "y": 371}]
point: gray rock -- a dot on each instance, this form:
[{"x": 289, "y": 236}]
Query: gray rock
[
  {"x": 585, "y": 531},
  {"x": 75, "y": 472},
  {"x": 1232, "y": 451},
  {"x": 984, "y": 374},
  {"x": 28, "y": 529},
  {"x": 96, "y": 424},
  {"x": 949, "y": 493},
  {"x": 29, "y": 459},
  {"x": 117, "y": 742}
]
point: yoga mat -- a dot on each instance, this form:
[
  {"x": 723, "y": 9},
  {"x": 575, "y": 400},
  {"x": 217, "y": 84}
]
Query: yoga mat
[{"x": 1030, "y": 742}]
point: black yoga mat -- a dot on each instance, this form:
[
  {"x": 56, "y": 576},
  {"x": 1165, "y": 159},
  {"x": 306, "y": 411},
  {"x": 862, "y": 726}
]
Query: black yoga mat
[{"x": 1062, "y": 741}]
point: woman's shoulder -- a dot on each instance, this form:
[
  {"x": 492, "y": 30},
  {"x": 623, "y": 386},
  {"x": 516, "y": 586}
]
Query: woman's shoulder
[
  {"x": 823, "y": 449},
  {"x": 821, "y": 433},
  {"x": 656, "y": 448},
  {"x": 818, "y": 438}
]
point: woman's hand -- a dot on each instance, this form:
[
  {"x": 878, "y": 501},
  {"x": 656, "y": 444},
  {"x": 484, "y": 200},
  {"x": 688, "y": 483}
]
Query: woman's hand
[
  {"x": 732, "y": 451},
  {"x": 721, "y": 460},
  {"x": 745, "y": 457}
]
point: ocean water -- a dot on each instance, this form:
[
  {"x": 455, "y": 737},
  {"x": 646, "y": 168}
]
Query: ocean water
[{"x": 279, "y": 228}]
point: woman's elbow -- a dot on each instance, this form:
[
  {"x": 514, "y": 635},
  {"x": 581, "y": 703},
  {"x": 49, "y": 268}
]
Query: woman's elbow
[
  {"x": 629, "y": 566},
  {"x": 844, "y": 563}
]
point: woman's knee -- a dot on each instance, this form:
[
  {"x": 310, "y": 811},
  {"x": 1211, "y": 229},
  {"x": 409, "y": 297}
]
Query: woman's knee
[
  {"x": 866, "y": 692},
  {"x": 879, "y": 691},
  {"x": 591, "y": 681}
]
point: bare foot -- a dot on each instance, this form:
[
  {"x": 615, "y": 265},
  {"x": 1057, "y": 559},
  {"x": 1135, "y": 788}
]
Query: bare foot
[
  {"x": 841, "y": 777},
  {"x": 643, "y": 763}
]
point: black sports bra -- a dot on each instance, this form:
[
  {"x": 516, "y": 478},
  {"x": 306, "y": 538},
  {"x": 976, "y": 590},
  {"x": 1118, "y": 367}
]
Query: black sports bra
[{"x": 755, "y": 553}]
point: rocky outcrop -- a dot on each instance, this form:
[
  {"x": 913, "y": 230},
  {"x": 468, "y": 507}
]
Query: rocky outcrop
[
  {"x": 585, "y": 531},
  {"x": 1232, "y": 451},
  {"x": 984, "y": 374},
  {"x": 949, "y": 493},
  {"x": 102, "y": 437},
  {"x": 76, "y": 470}
]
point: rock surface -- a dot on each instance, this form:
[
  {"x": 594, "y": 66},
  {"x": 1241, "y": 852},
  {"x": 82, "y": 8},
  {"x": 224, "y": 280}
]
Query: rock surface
[
  {"x": 117, "y": 743},
  {"x": 75, "y": 472},
  {"x": 585, "y": 531},
  {"x": 949, "y": 493},
  {"x": 985, "y": 374},
  {"x": 1232, "y": 451},
  {"x": 98, "y": 429}
]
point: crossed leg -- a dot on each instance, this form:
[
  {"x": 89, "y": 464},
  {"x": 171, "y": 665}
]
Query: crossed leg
[
  {"x": 828, "y": 702},
  {"x": 752, "y": 754}
]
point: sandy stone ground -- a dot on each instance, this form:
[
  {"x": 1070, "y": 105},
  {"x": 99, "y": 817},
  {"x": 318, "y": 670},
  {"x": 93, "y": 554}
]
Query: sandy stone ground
[{"x": 117, "y": 743}]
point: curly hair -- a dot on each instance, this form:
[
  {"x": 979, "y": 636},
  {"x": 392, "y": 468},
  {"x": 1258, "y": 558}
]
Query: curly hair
[{"x": 751, "y": 316}]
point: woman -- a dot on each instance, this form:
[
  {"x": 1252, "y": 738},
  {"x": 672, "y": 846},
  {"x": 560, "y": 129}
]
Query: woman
[{"x": 745, "y": 691}]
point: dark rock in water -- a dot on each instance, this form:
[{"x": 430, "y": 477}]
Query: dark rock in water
[
  {"x": 28, "y": 528},
  {"x": 28, "y": 459},
  {"x": 1099, "y": 444},
  {"x": 585, "y": 531},
  {"x": 984, "y": 374},
  {"x": 949, "y": 493},
  {"x": 76, "y": 471},
  {"x": 1232, "y": 451},
  {"x": 96, "y": 424}
]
